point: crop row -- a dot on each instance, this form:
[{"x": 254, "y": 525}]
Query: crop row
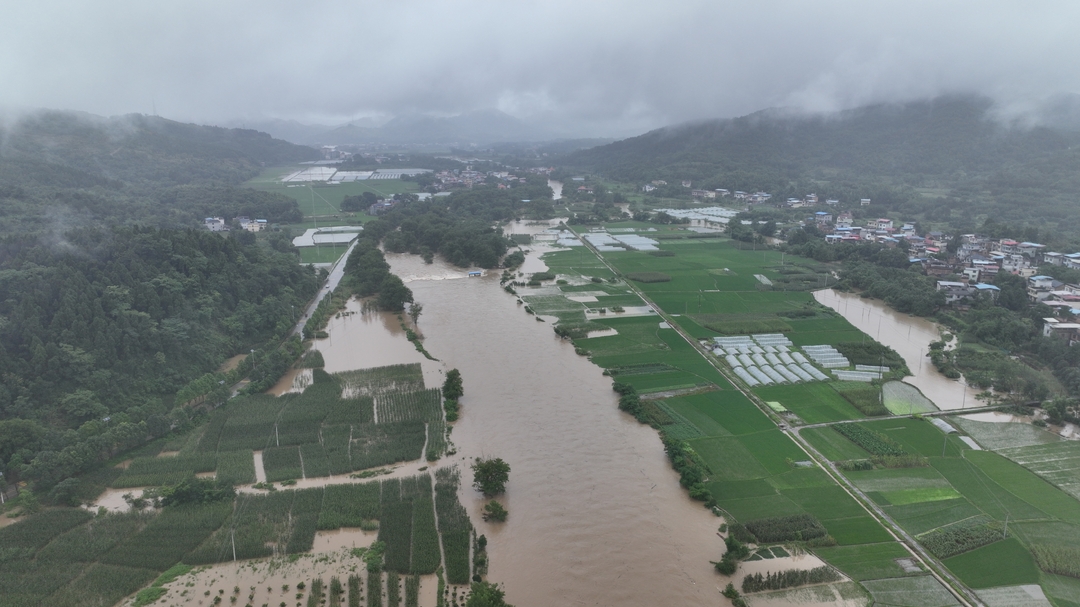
[
  {"x": 381, "y": 444},
  {"x": 436, "y": 441},
  {"x": 956, "y": 539},
  {"x": 412, "y": 591},
  {"x": 1062, "y": 560},
  {"x": 236, "y": 467},
  {"x": 23, "y": 540},
  {"x": 349, "y": 505},
  {"x": 875, "y": 443},
  {"x": 102, "y": 585},
  {"x": 421, "y": 405},
  {"x": 454, "y": 525},
  {"x": 169, "y": 536},
  {"x": 354, "y": 591},
  {"x": 87, "y": 542},
  {"x": 157, "y": 471},
  {"x": 395, "y": 527},
  {"x": 425, "y": 537},
  {"x": 359, "y": 410},
  {"x": 282, "y": 463},
  {"x": 379, "y": 380}
]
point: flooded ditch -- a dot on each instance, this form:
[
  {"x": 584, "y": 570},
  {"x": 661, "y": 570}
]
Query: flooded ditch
[{"x": 910, "y": 336}]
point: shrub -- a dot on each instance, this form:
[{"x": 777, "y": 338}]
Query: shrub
[
  {"x": 789, "y": 579},
  {"x": 961, "y": 537},
  {"x": 874, "y": 442},
  {"x": 749, "y": 325},
  {"x": 494, "y": 511},
  {"x": 648, "y": 277},
  {"x": 1061, "y": 560},
  {"x": 794, "y": 528}
]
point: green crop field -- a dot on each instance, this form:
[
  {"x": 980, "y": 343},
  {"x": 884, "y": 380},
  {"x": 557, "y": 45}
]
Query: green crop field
[
  {"x": 984, "y": 492},
  {"x": 997, "y": 435},
  {"x": 752, "y": 466},
  {"x": 322, "y": 253},
  {"x": 1003, "y": 563},
  {"x": 916, "y": 436},
  {"x": 832, "y": 445},
  {"x": 920, "y": 591},
  {"x": 323, "y": 199},
  {"x": 921, "y": 517},
  {"x": 1021, "y": 482},
  {"x": 866, "y": 561},
  {"x": 1057, "y": 462},
  {"x": 856, "y": 530},
  {"x": 729, "y": 459},
  {"x": 814, "y": 402},
  {"x": 905, "y": 399}
]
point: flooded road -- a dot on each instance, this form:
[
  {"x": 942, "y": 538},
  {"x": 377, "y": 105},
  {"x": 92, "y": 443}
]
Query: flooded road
[
  {"x": 556, "y": 188},
  {"x": 910, "y": 336},
  {"x": 597, "y": 515}
]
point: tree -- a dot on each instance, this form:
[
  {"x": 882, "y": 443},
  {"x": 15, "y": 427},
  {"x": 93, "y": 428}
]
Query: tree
[
  {"x": 486, "y": 594},
  {"x": 414, "y": 311},
  {"x": 393, "y": 294},
  {"x": 490, "y": 476},
  {"x": 451, "y": 388},
  {"x": 494, "y": 511}
]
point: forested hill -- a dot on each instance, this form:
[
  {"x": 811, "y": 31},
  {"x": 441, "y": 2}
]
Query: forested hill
[
  {"x": 66, "y": 168},
  {"x": 913, "y": 142},
  {"x": 112, "y": 295}
]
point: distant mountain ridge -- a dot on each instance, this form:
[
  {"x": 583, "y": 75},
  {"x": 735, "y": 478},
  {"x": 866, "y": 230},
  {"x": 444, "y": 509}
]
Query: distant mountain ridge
[
  {"x": 136, "y": 148},
  {"x": 936, "y": 137},
  {"x": 479, "y": 127}
]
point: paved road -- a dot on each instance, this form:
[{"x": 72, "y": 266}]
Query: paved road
[
  {"x": 930, "y": 562},
  {"x": 337, "y": 271}
]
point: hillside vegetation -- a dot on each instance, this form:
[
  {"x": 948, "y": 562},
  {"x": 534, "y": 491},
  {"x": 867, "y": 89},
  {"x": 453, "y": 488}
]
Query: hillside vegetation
[
  {"x": 106, "y": 308},
  {"x": 946, "y": 160},
  {"x": 59, "y": 169}
]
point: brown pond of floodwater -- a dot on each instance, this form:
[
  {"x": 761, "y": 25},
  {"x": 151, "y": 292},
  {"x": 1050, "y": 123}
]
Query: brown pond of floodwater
[
  {"x": 597, "y": 515},
  {"x": 910, "y": 336}
]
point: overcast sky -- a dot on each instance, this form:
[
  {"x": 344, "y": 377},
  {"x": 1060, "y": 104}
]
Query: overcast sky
[{"x": 589, "y": 66}]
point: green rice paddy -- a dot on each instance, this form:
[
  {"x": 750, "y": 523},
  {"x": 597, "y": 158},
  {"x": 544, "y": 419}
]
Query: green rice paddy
[{"x": 753, "y": 469}]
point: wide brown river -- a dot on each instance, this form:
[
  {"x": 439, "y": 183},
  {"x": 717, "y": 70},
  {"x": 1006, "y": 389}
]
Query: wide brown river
[
  {"x": 597, "y": 516},
  {"x": 910, "y": 336}
]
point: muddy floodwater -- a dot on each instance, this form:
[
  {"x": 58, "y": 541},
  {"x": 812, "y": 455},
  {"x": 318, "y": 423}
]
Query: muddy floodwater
[
  {"x": 597, "y": 516},
  {"x": 910, "y": 336},
  {"x": 556, "y": 188}
]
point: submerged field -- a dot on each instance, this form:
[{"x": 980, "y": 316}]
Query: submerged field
[
  {"x": 955, "y": 500},
  {"x": 345, "y": 424}
]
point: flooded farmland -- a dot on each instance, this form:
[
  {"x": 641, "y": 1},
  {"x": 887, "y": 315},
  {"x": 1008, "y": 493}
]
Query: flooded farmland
[{"x": 910, "y": 336}]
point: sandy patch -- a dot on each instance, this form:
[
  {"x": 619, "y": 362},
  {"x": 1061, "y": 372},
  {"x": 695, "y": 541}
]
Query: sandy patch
[
  {"x": 260, "y": 470},
  {"x": 997, "y": 417},
  {"x": 343, "y": 539},
  {"x": 274, "y": 581},
  {"x": 232, "y": 363},
  {"x": 168, "y": 454},
  {"x": 113, "y": 499}
]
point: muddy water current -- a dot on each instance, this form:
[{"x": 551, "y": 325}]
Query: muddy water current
[
  {"x": 597, "y": 515},
  {"x": 910, "y": 336}
]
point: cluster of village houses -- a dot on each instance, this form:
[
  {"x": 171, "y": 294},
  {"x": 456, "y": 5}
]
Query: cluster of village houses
[
  {"x": 218, "y": 224},
  {"x": 978, "y": 258},
  {"x": 459, "y": 178}
]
